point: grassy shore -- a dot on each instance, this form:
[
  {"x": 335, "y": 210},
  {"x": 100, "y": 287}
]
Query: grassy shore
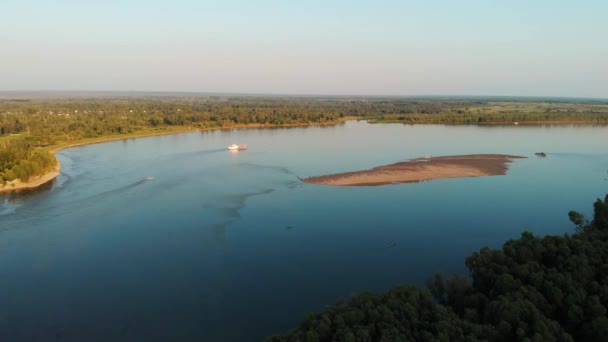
[{"x": 39, "y": 180}]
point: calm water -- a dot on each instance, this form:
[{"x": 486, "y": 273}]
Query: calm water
[{"x": 224, "y": 246}]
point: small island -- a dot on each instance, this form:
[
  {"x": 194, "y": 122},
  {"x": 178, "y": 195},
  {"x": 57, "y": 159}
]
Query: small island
[{"x": 422, "y": 169}]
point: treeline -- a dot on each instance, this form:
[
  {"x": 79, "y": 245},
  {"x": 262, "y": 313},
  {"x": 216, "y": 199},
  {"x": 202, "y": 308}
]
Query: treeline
[
  {"x": 480, "y": 113},
  {"x": 483, "y": 116},
  {"x": 553, "y": 288},
  {"x": 48, "y": 122}
]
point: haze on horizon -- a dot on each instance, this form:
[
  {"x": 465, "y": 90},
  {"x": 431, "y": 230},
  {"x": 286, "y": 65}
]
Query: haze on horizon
[{"x": 514, "y": 48}]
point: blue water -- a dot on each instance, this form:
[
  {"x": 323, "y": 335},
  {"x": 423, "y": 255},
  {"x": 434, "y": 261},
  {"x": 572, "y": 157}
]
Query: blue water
[{"x": 224, "y": 246}]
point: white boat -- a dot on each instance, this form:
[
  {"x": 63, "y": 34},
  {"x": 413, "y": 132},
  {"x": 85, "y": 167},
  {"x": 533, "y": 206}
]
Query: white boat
[{"x": 235, "y": 147}]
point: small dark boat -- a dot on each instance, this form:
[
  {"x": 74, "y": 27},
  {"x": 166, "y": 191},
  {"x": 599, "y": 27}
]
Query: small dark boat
[{"x": 540, "y": 154}]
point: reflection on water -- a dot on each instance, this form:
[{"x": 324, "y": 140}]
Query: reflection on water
[{"x": 222, "y": 246}]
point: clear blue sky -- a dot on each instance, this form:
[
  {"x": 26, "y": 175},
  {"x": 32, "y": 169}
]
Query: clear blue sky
[{"x": 543, "y": 48}]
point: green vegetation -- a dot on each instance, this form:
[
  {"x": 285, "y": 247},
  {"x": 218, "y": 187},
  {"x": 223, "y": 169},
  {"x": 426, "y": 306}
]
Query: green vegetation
[
  {"x": 19, "y": 160},
  {"x": 553, "y": 288},
  {"x": 31, "y": 128},
  {"x": 498, "y": 112}
]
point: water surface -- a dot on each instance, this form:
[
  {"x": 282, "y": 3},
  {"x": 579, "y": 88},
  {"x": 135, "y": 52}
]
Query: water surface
[{"x": 224, "y": 246}]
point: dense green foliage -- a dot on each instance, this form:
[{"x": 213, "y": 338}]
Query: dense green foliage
[
  {"x": 553, "y": 288},
  {"x": 19, "y": 159},
  {"x": 499, "y": 112},
  {"x": 42, "y": 123},
  {"x": 50, "y": 122}
]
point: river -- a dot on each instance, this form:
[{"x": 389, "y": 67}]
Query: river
[{"x": 173, "y": 238}]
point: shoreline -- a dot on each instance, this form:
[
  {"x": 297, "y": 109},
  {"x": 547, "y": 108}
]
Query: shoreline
[
  {"x": 17, "y": 185},
  {"x": 420, "y": 170}
]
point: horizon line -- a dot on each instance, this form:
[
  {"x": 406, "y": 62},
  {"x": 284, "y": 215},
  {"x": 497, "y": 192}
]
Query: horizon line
[{"x": 289, "y": 94}]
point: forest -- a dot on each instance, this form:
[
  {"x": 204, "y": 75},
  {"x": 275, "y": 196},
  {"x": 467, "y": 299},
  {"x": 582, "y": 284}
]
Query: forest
[
  {"x": 552, "y": 288},
  {"x": 31, "y": 127}
]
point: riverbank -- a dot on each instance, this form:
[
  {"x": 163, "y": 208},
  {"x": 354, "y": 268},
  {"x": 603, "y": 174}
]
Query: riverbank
[
  {"x": 422, "y": 169},
  {"x": 37, "y": 181}
]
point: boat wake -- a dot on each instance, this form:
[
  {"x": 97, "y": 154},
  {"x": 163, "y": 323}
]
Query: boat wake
[{"x": 126, "y": 187}]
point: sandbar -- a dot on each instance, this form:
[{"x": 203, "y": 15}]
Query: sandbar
[{"x": 422, "y": 169}]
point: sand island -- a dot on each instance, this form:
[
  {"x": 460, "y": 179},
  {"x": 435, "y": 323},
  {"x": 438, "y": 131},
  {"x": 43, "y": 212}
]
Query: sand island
[{"x": 422, "y": 169}]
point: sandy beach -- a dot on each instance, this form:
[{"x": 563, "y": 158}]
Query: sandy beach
[{"x": 422, "y": 169}]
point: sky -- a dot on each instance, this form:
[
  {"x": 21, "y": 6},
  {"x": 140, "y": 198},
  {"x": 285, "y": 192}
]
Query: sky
[{"x": 333, "y": 47}]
